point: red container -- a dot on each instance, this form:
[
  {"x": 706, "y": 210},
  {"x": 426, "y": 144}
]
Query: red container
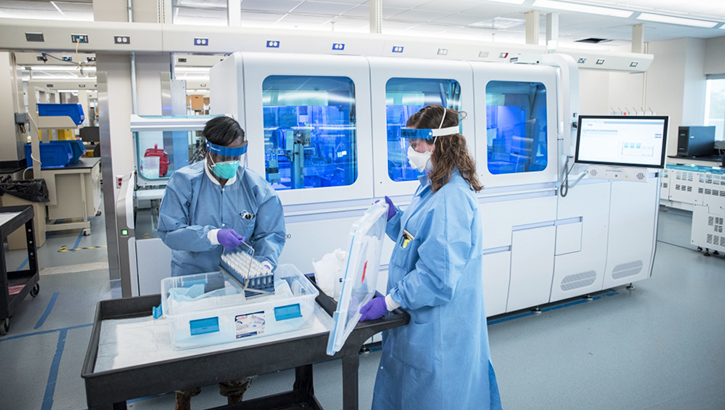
[{"x": 163, "y": 159}]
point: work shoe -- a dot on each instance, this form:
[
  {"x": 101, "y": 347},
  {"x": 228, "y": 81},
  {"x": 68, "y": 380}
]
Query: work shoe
[
  {"x": 183, "y": 398},
  {"x": 234, "y": 390}
]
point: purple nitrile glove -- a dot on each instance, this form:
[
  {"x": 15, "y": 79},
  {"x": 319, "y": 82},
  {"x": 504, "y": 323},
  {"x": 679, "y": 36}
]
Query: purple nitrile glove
[
  {"x": 391, "y": 208},
  {"x": 375, "y": 309},
  {"x": 229, "y": 238}
]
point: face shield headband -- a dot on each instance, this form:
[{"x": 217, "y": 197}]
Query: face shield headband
[
  {"x": 428, "y": 133},
  {"x": 226, "y": 151}
]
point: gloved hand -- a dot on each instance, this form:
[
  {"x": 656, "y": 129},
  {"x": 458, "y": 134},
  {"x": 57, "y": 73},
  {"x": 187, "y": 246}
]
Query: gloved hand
[
  {"x": 375, "y": 309},
  {"x": 391, "y": 208},
  {"x": 229, "y": 238}
]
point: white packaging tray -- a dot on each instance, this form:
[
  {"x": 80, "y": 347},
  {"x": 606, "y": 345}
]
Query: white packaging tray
[{"x": 211, "y": 316}]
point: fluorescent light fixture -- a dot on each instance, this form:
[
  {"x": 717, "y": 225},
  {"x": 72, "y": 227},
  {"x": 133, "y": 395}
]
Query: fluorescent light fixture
[
  {"x": 676, "y": 20},
  {"x": 509, "y": 1},
  {"x": 57, "y": 8},
  {"x": 69, "y": 67},
  {"x": 581, "y": 8},
  {"x": 499, "y": 23}
]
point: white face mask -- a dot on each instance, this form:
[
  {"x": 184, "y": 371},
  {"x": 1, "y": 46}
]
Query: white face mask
[{"x": 419, "y": 160}]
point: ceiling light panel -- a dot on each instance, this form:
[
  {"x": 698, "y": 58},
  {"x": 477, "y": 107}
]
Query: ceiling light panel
[
  {"x": 447, "y": 6},
  {"x": 266, "y": 5},
  {"x": 509, "y": 1},
  {"x": 676, "y": 20},
  {"x": 581, "y": 8},
  {"x": 418, "y": 16}
]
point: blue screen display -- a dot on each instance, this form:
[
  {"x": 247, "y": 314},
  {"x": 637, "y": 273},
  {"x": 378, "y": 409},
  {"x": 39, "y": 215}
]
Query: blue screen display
[{"x": 516, "y": 127}]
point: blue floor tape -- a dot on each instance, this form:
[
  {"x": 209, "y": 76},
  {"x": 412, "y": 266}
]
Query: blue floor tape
[
  {"x": 47, "y": 311},
  {"x": 54, "y": 368},
  {"x": 43, "y": 332},
  {"x": 78, "y": 241},
  {"x": 22, "y": 265}
]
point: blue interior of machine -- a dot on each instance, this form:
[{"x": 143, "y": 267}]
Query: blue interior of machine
[
  {"x": 403, "y": 98},
  {"x": 309, "y": 131},
  {"x": 516, "y": 127}
]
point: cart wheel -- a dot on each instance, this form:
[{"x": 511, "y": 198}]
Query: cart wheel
[
  {"x": 5, "y": 327},
  {"x": 35, "y": 290},
  {"x": 86, "y": 232}
]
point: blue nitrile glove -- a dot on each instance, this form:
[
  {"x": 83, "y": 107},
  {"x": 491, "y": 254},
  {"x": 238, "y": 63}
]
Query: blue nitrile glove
[
  {"x": 391, "y": 208},
  {"x": 229, "y": 238},
  {"x": 375, "y": 309}
]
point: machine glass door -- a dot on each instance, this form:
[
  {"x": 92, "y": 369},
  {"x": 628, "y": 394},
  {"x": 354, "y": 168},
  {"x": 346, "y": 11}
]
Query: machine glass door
[
  {"x": 164, "y": 144},
  {"x": 516, "y": 132},
  {"x": 516, "y": 127},
  {"x": 310, "y": 132},
  {"x": 403, "y": 98}
]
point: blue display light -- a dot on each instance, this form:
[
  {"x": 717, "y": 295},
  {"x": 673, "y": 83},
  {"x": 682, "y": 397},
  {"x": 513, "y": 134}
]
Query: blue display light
[
  {"x": 272, "y": 44},
  {"x": 338, "y": 46}
]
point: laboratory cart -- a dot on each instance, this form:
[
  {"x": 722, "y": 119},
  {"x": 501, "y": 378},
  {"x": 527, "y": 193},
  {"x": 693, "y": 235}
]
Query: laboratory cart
[
  {"x": 110, "y": 388},
  {"x": 16, "y": 285}
]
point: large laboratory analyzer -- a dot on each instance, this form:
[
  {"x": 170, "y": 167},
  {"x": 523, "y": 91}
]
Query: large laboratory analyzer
[{"x": 325, "y": 132}]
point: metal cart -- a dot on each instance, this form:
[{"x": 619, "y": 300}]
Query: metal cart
[
  {"x": 15, "y": 285},
  {"x": 111, "y": 389}
]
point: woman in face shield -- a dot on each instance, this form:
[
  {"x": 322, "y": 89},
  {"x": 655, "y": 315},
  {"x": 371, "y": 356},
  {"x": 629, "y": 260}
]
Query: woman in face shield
[
  {"x": 215, "y": 204},
  {"x": 441, "y": 359}
]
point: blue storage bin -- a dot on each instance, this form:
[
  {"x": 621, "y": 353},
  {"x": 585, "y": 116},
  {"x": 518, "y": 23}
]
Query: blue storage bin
[
  {"x": 76, "y": 146},
  {"x": 75, "y": 111},
  {"x": 55, "y": 154}
]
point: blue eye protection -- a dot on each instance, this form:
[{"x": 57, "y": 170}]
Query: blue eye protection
[
  {"x": 427, "y": 133},
  {"x": 226, "y": 151}
]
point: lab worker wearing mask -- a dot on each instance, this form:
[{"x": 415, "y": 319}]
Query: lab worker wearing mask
[
  {"x": 441, "y": 359},
  {"x": 215, "y": 204}
]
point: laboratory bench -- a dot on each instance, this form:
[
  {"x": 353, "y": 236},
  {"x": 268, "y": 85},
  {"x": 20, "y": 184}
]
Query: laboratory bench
[
  {"x": 16, "y": 285},
  {"x": 74, "y": 192},
  {"x": 110, "y": 383}
]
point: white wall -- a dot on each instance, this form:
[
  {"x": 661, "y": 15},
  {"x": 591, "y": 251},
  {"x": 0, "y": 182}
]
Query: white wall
[
  {"x": 11, "y": 140},
  {"x": 674, "y": 85},
  {"x": 593, "y": 92},
  {"x": 715, "y": 55}
]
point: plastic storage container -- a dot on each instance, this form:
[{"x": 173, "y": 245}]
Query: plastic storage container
[
  {"x": 361, "y": 273},
  {"x": 75, "y": 111},
  {"x": 56, "y": 154},
  {"x": 162, "y": 156},
  {"x": 210, "y": 308}
]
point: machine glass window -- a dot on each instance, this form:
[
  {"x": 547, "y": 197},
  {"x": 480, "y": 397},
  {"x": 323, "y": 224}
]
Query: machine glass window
[
  {"x": 160, "y": 153},
  {"x": 516, "y": 127},
  {"x": 715, "y": 106},
  {"x": 309, "y": 131},
  {"x": 403, "y": 98}
]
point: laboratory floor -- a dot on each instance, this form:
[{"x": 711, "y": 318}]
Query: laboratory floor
[{"x": 658, "y": 346}]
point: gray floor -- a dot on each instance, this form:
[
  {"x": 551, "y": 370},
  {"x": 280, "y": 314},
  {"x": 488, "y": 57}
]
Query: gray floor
[{"x": 659, "y": 346}]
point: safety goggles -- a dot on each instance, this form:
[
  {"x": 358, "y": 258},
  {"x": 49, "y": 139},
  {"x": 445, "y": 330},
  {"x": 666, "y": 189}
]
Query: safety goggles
[
  {"x": 226, "y": 153},
  {"x": 428, "y": 133}
]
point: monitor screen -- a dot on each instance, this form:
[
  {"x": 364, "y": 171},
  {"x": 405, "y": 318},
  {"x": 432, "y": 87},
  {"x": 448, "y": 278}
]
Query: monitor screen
[{"x": 638, "y": 141}]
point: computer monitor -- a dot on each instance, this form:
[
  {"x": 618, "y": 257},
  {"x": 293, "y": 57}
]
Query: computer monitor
[{"x": 627, "y": 141}]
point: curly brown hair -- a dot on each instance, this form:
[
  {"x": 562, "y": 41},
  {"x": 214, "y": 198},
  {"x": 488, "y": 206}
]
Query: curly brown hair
[{"x": 450, "y": 151}]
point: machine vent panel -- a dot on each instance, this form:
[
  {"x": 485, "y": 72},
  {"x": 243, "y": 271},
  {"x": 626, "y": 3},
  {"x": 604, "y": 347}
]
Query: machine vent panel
[
  {"x": 709, "y": 238},
  {"x": 710, "y": 220},
  {"x": 722, "y": 241},
  {"x": 579, "y": 280},
  {"x": 627, "y": 269}
]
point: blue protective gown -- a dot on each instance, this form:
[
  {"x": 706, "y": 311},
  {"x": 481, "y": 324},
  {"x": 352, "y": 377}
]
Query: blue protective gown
[
  {"x": 441, "y": 359},
  {"x": 193, "y": 205}
]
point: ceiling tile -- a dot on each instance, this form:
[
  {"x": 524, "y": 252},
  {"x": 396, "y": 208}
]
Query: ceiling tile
[
  {"x": 298, "y": 18},
  {"x": 448, "y": 6},
  {"x": 318, "y": 7},
  {"x": 417, "y": 16},
  {"x": 403, "y": 4},
  {"x": 249, "y": 15}
]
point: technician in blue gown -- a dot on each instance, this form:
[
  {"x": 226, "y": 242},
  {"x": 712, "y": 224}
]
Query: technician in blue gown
[
  {"x": 441, "y": 359},
  {"x": 215, "y": 204}
]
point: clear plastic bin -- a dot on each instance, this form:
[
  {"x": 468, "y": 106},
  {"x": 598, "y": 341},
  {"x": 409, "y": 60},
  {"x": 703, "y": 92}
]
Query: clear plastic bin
[{"x": 210, "y": 308}]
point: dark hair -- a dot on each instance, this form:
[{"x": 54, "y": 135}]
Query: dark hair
[
  {"x": 450, "y": 150},
  {"x": 223, "y": 131}
]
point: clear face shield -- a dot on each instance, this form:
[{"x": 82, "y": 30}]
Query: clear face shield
[
  {"x": 224, "y": 161},
  {"x": 421, "y": 160}
]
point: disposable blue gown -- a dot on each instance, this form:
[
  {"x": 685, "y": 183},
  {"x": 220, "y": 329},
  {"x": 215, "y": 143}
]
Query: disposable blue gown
[
  {"x": 441, "y": 359},
  {"x": 193, "y": 205}
]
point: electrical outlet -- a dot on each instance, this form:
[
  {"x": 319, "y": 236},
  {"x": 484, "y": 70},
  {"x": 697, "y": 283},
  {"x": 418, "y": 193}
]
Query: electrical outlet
[
  {"x": 79, "y": 38},
  {"x": 66, "y": 58},
  {"x": 122, "y": 40}
]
